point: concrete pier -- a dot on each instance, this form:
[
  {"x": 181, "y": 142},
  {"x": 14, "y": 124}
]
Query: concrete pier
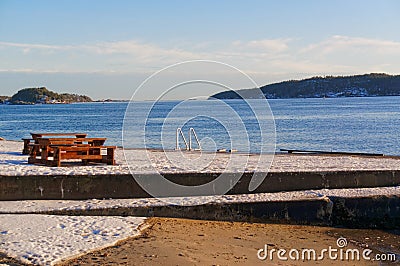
[
  {"x": 352, "y": 212},
  {"x": 382, "y": 211},
  {"x": 124, "y": 186}
]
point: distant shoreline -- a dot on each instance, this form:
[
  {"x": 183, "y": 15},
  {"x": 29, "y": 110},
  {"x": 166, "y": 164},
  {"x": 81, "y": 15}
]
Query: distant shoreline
[
  {"x": 367, "y": 85},
  {"x": 209, "y": 99}
]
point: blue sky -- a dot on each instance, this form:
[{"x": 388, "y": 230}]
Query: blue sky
[{"x": 105, "y": 49}]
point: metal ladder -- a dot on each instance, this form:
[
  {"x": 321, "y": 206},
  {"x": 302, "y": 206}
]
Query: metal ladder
[{"x": 188, "y": 146}]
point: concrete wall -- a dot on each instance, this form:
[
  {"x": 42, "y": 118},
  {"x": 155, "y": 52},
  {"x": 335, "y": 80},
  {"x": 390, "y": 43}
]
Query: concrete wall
[
  {"x": 125, "y": 186},
  {"x": 366, "y": 212},
  {"x": 279, "y": 212}
]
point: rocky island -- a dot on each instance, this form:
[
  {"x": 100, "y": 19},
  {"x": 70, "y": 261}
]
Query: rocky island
[
  {"x": 367, "y": 85},
  {"x": 42, "y": 96}
]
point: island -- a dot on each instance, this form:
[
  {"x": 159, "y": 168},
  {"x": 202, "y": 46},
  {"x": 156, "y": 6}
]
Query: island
[
  {"x": 4, "y": 99},
  {"x": 42, "y": 96},
  {"x": 367, "y": 85}
]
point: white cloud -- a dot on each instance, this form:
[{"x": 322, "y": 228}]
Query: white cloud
[
  {"x": 131, "y": 47},
  {"x": 339, "y": 43},
  {"x": 125, "y": 63},
  {"x": 95, "y": 57},
  {"x": 337, "y": 54},
  {"x": 274, "y": 45},
  {"x": 30, "y": 46},
  {"x": 265, "y": 46}
]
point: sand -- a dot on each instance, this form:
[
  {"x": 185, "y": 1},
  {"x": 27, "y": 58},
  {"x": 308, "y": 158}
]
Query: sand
[
  {"x": 191, "y": 242},
  {"x": 45, "y": 239}
]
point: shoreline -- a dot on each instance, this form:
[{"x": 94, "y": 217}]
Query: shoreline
[
  {"x": 281, "y": 151},
  {"x": 170, "y": 241}
]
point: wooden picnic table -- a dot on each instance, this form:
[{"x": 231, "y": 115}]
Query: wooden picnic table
[
  {"x": 85, "y": 149},
  {"x": 29, "y": 141}
]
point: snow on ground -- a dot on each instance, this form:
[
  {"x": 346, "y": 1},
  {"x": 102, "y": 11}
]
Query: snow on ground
[
  {"x": 13, "y": 163},
  {"x": 46, "y": 239},
  {"x": 37, "y": 206},
  {"x": 32, "y": 206}
]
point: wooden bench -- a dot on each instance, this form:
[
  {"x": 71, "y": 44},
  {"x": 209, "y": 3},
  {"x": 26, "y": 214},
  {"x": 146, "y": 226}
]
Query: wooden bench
[
  {"x": 85, "y": 153},
  {"x": 28, "y": 142}
]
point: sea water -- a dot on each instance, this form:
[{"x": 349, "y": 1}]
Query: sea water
[{"x": 367, "y": 124}]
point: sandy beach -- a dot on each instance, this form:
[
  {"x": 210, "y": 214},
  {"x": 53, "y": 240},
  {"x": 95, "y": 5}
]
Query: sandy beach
[
  {"x": 168, "y": 241},
  {"x": 171, "y": 241},
  {"x": 193, "y": 242}
]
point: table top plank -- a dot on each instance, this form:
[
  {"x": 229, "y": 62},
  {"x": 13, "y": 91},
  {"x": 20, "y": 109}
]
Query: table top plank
[{"x": 39, "y": 135}]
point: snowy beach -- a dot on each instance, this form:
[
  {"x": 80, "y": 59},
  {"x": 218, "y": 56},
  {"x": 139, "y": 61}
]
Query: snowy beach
[
  {"x": 46, "y": 239},
  {"x": 13, "y": 163},
  {"x": 30, "y": 236}
]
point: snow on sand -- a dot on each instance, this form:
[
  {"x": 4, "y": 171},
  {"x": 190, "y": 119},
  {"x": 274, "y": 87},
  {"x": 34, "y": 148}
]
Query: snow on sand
[
  {"x": 40, "y": 206},
  {"x": 46, "y": 239},
  {"x": 13, "y": 163}
]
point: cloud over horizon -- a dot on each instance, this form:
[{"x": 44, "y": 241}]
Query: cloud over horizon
[
  {"x": 286, "y": 55},
  {"x": 267, "y": 60}
]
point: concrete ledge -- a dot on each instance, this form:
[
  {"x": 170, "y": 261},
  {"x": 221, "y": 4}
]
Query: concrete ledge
[
  {"x": 125, "y": 186},
  {"x": 367, "y": 212},
  {"x": 313, "y": 211}
]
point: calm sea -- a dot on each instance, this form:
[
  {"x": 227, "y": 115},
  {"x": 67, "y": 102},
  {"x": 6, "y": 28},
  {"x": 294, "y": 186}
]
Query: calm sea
[{"x": 342, "y": 124}]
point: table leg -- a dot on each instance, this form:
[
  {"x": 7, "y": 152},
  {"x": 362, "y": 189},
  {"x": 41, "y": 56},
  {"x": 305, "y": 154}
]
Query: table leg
[
  {"x": 44, "y": 155},
  {"x": 110, "y": 156},
  {"x": 26, "y": 149}
]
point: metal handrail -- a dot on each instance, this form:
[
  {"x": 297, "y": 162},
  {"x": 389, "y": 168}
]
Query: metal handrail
[
  {"x": 187, "y": 145},
  {"x": 179, "y": 131},
  {"x": 191, "y": 130}
]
